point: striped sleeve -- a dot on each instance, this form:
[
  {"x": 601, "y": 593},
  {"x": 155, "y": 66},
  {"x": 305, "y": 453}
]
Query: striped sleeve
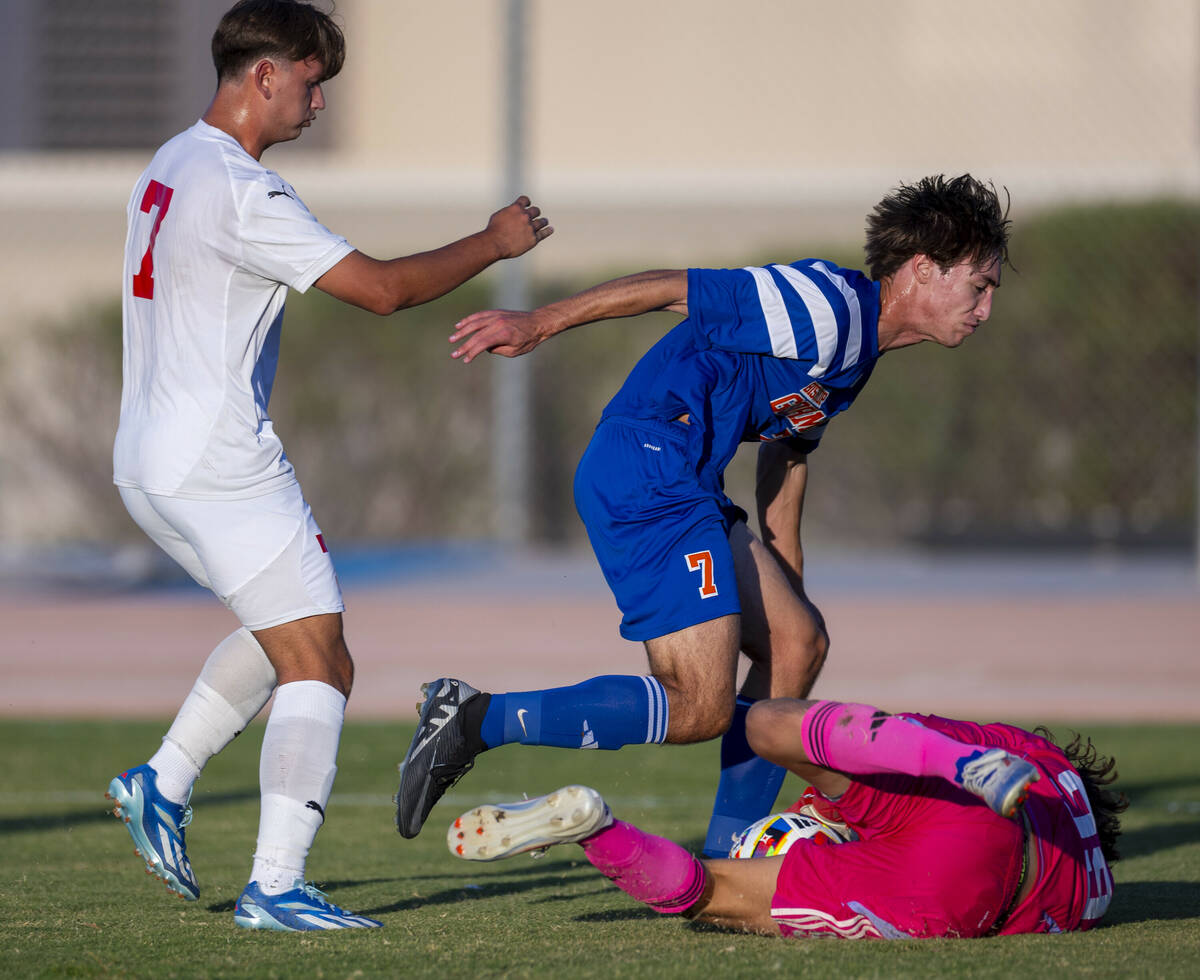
[{"x": 808, "y": 311}]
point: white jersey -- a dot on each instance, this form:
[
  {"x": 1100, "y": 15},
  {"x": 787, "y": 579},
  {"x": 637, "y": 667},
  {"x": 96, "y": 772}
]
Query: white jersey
[{"x": 215, "y": 241}]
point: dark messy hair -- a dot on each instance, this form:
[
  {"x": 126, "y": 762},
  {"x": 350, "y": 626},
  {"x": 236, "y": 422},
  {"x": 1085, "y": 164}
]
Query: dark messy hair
[
  {"x": 1097, "y": 772},
  {"x": 285, "y": 29},
  {"x": 952, "y": 220}
]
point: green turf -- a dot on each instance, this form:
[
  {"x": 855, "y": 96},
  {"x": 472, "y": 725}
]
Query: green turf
[{"x": 74, "y": 902}]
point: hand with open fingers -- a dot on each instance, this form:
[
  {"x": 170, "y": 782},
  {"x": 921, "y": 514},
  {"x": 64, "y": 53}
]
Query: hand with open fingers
[
  {"x": 508, "y": 333},
  {"x": 518, "y": 227}
]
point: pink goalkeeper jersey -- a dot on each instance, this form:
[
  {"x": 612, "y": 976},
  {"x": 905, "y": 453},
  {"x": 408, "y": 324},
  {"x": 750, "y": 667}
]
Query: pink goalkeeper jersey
[{"x": 1074, "y": 884}]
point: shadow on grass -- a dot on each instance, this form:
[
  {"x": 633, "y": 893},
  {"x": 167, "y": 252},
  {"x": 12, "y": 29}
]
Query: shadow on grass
[
  {"x": 1153, "y": 901},
  {"x": 1142, "y": 793},
  {"x": 1144, "y": 841},
  {"x": 69, "y": 819},
  {"x": 328, "y": 887},
  {"x": 472, "y": 887},
  {"x": 634, "y": 914}
]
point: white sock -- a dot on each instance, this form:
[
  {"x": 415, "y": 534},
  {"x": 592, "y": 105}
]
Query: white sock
[
  {"x": 299, "y": 755},
  {"x": 236, "y": 681}
]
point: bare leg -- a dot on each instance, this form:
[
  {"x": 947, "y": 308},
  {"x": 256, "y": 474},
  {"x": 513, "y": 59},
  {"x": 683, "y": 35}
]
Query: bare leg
[
  {"x": 698, "y": 668},
  {"x": 740, "y": 893},
  {"x": 310, "y": 649},
  {"x": 782, "y": 632},
  {"x": 786, "y": 643},
  {"x": 666, "y": 877},
  {"x": 775, "y": 732}
]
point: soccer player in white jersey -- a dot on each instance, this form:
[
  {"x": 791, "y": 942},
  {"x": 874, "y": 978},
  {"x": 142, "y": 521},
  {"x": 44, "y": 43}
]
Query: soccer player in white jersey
[
  {"x": 766, "y": 355},
  {"x": 215, "y": 241}
]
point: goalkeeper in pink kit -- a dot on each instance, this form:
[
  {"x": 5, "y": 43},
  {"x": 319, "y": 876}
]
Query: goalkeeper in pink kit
[{"x": 961, "y": 830}]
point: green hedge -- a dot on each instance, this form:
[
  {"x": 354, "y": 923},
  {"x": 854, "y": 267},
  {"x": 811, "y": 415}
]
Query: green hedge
[{"x": 1071, "y": 417}]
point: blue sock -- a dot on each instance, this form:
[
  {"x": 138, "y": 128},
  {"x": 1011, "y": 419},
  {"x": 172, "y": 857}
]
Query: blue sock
[
  {"x": 602, "y": 713},
  {"x": 747, "y": 788}
]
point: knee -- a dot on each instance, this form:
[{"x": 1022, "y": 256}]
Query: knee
[
  {"x": 773, "y": 728},
  {"x": 697, "y": 717},
  {"x": 816, "y": 645},
  {"x": 806, "y": 648}
]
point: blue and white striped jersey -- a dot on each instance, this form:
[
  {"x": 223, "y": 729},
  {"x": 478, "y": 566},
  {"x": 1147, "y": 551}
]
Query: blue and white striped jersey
[{"x": 765, "y": 353}]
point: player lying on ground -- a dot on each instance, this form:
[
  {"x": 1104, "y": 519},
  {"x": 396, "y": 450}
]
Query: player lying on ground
[
  {"x": 766, "y": 355},
  {"x": 932, "y": 801},
  {"x": 215, "y": 242}
]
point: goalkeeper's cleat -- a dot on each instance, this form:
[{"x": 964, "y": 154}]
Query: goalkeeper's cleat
[
  {"x": 566, "y": 816},
  {"x": 998, "y": 778},
  {"x": 156, "y": 826},
  {"x": 440, "y": 754},
  {"x": 301, "y": 909}
]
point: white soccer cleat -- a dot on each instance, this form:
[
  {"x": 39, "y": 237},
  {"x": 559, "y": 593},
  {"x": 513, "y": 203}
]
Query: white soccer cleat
[{"x": 500, "y": 830}]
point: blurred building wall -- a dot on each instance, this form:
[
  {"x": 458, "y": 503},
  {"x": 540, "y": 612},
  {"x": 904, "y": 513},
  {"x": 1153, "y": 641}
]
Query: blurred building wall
[{"x": 661, "y": 133}]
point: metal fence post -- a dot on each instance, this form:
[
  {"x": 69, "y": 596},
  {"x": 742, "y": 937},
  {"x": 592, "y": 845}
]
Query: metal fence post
[{"x": 511, "y": 378}]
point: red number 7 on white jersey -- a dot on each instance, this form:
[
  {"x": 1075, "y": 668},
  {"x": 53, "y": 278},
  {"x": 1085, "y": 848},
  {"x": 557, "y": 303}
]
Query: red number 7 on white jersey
[
  {"x": 156, "y": 196},
  {"x": 702, "y": 562}
]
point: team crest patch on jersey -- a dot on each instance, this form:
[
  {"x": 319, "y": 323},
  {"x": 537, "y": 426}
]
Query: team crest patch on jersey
[{"x": 802, "y": 409}]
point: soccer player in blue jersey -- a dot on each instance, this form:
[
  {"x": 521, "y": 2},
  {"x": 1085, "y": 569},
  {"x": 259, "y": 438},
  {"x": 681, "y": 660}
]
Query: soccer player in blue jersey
[{"x": 765, "y": 355}]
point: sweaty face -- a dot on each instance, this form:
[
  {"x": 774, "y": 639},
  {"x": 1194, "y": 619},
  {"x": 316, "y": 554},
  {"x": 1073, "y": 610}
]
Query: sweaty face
[
  {"x": 296, "y": 96},
  {"x": 958, "y": 299}
]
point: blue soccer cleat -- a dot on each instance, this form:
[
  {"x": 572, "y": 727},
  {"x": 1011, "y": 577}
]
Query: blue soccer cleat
[
  {"x": 301, "y": 909},
  {"x": 998, "y": 778},
  {"x": 156, "y": 826}
]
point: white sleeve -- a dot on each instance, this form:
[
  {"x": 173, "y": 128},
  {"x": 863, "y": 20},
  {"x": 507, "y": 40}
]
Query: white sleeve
[{"x": 282, "y": 241}]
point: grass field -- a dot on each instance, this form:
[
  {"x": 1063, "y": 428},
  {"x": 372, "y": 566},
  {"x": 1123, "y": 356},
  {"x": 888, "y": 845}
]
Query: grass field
[{"x": 74, "y": 902}]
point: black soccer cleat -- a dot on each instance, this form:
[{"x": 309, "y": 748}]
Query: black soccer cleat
[{"x": 441, "y": 753}]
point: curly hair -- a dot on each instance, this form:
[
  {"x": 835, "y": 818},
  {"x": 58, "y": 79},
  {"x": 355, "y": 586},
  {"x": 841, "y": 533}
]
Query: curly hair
[
  {"x": 952, "y": 220},
  {"x": 254, "y": 29},
  {"x": 1097, "y": 772}
]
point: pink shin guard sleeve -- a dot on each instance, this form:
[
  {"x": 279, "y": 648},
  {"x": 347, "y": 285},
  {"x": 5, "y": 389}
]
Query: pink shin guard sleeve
[
  {"x": 651, "y": 869},
  {"x": 859, "y": 738}
]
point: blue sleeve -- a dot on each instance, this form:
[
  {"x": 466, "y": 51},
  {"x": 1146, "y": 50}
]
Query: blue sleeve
[{"x": 789, "y": 311}]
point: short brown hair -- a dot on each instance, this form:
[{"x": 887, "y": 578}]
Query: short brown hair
[
  {"x": 285, "y": 29},
  {"x": 952, "y": 220}
]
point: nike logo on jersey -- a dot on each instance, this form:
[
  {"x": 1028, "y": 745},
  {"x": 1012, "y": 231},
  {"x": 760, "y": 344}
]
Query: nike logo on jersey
[
  {"x": 589, "y": 737},
  {"x": 271, "y": 194},
  {"x": 521, "y": 713}
]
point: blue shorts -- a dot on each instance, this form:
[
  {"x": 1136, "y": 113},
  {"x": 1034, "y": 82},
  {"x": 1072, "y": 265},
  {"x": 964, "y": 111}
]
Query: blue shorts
[{"x": 661, "y": 536}]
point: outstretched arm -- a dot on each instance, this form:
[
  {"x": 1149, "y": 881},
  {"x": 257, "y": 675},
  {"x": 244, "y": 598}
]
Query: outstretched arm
[
  {"x": 384, "y": 287},
  {"x": 510, "y": 333}
]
